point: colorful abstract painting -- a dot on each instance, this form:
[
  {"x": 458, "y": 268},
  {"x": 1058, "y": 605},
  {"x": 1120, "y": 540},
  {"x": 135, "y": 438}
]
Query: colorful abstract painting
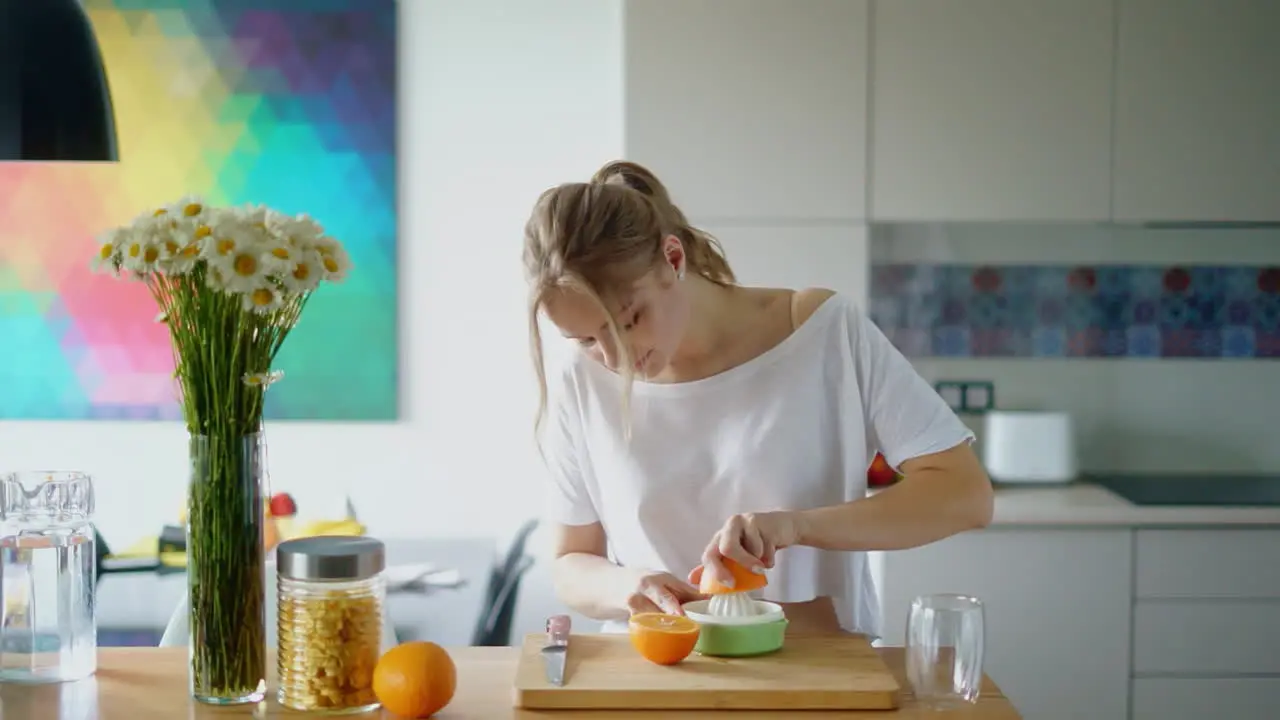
[
  {"x": 289, "y": 103},
  {"x": 1204, "y": 312}
]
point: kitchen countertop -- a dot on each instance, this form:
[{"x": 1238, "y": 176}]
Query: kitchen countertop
[
  {"x": 151, "y": 684},
  {"x": 1087, "y": 504}
]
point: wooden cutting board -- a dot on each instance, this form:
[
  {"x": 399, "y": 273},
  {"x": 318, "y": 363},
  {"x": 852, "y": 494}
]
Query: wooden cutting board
[{"x": 603, "y": 671}]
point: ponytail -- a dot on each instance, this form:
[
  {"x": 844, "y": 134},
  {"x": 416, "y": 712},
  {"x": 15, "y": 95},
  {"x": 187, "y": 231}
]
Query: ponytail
[{"x": 703, "y": 252}]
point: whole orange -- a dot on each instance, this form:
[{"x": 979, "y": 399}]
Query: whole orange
[
  {"x": 415, "y": 679},
  {"x": 661, "y": 638}
]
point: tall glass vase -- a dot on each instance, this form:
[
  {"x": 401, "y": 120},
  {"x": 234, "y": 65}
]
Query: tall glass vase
[{"x": 226, "y": 578}]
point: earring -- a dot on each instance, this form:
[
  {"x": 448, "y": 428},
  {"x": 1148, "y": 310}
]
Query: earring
[{"x": 680, "y": 273}]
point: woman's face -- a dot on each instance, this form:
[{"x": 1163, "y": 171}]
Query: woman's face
[{"x": 651, "y": 318}]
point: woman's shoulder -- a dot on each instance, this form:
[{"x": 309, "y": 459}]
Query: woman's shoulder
[
  {"x": 807, "y": 301},
  {"x": 839, "y": 322},
  {"x": 816, "y": 317},
  {"x": 830, "y": 310},
  {"x": 572, "y": 377},
  {"x": 564, "y": 375},
  {"x": 804, "y": 303}
]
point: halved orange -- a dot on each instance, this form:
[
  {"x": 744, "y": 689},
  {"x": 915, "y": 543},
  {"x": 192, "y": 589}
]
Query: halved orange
[
  {"x": 662, "y": 638},
  {"x": 743, "y": 579}
]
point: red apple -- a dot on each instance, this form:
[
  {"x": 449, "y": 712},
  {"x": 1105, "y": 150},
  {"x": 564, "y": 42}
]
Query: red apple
[
  {"x": 880, "y": 474},
  {"x": 282, "y": 505}
]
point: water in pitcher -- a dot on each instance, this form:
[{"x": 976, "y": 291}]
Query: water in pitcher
[{"x": 47, "y": 569}]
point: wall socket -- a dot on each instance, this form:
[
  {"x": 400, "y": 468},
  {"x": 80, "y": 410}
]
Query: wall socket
[{"x": 968, "y": 396}]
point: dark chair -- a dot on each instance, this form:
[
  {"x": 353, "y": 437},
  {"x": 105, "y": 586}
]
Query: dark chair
[
  {"x": 101, "y": 551},
  {"x": 494, "y": 629},
  {"x": 501, "y": 593},
  {"x": 499, "y": 572},
  {"x": 516, "y": 552}
]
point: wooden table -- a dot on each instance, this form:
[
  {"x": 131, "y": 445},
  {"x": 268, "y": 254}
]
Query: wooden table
[{"x": 151, "y": 684}]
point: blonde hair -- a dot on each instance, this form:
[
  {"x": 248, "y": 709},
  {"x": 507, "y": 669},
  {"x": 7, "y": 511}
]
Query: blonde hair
[{"x": 600, "y": 237}]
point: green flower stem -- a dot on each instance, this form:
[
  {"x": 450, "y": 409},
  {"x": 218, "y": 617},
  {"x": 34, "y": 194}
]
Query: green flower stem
[
  {"x": 226, "y": 568},
  {"x": 218, "y": 346}
]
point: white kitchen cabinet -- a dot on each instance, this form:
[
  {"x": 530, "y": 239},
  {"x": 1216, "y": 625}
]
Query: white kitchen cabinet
[
  {"x": 1197, "y": 114},
  {"x": 1205, "y": 627},
  {"x": 1206, "y": 638},
  {"x": 1208, "y": 563},
  {"x": 798, "y": 256},
  {"x": 991, "y": 110},
  {"x": 1200, "y": 698},
  {"x": 1058, "y": 606},
  {"x": 750, "y": 109}
]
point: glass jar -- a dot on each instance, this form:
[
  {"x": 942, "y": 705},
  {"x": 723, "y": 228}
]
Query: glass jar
[
  {"x": 330, "y": 591},
  {"x": 48, "y": 560}
]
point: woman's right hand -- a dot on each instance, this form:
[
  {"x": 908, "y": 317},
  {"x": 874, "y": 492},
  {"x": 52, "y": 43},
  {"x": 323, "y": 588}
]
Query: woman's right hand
[{"x": 660, "y": 592}]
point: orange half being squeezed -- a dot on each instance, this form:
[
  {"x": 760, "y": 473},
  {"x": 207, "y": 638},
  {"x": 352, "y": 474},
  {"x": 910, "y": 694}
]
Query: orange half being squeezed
[{"x": 744, "y": 579}]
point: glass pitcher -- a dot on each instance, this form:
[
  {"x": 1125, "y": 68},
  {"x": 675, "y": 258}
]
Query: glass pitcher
[{"x": 48, "y": 563}]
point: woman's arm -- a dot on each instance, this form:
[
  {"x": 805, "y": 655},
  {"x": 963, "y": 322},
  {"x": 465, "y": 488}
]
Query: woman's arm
[
  {"x": 940, "y": 495},
  {"x": 589, "y": 583},
  {"x": 945, "y": 489},
  {"x": 943, "y": 492},
  {"x": 584, "y": 578}
]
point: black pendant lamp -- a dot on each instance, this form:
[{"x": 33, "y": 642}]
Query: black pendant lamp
[{"x": 55, "y": 104}]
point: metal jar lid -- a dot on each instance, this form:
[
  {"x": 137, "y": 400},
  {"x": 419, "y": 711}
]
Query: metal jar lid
[{"x": 330, "y": 557}]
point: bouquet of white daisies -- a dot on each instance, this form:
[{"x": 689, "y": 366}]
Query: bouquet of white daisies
[{"x": 230, "y": 284}]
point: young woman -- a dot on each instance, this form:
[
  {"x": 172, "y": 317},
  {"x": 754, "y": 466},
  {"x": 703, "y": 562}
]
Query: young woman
[{"x": 703, "y": 420}]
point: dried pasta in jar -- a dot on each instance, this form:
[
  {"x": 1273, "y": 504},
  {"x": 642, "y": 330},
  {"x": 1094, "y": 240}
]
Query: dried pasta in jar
[{"x": 330, "y": 593}]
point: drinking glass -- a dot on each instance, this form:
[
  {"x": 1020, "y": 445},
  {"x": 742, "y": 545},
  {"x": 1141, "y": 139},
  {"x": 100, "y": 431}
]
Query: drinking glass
[{"x": 945, "y": 648}]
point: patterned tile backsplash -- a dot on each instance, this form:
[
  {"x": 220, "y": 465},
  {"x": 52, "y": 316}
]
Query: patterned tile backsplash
[{"x": 1142, "y": 311}]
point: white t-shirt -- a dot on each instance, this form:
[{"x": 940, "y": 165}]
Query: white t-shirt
[{"x": 794, "y": 428}]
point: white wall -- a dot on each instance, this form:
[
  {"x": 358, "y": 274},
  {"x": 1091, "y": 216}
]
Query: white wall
[
  {"x": 499, "y": 99},
  {"x": 1138, "y": 415}
]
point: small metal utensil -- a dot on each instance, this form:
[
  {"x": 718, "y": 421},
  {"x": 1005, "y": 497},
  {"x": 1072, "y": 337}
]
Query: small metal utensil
[{"x": 557, "y": 648}]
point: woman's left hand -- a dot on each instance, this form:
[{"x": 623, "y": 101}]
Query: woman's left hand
[{"x": 750, "y": 539}]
